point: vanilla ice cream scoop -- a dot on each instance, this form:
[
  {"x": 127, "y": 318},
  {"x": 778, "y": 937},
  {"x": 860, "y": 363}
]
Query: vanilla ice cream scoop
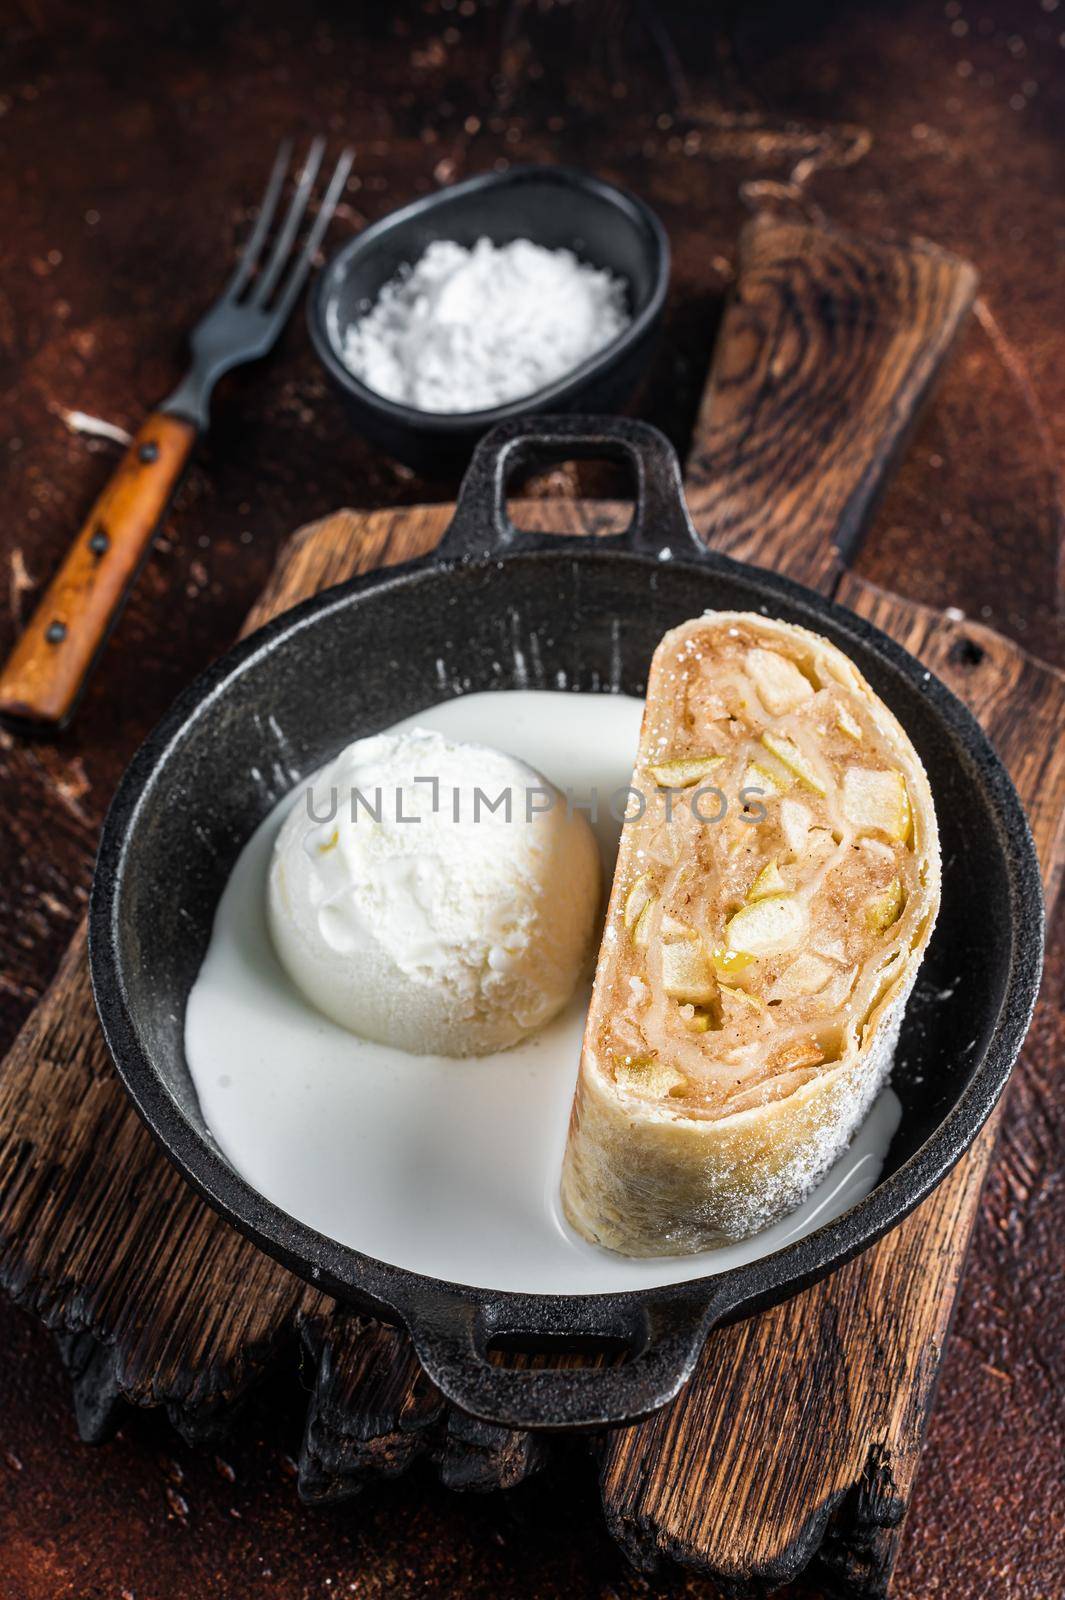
[{"x": 433, "y": 895}]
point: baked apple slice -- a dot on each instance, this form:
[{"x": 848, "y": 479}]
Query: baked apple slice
[{"x": 753, "y": 975}]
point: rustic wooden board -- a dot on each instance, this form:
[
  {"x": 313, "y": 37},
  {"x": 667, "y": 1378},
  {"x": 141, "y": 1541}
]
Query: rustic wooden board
[
  {"x": 102, "y": 1238},
  {"x": 801, "y": 1428},
  {"x": 800, "y": 1434},
  {"x": 828, "y": 347}
]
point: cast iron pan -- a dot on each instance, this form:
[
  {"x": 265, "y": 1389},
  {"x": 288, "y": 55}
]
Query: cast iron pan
[{"x": 188, "y": 803}]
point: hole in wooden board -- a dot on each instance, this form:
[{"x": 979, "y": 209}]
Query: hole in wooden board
[{"x": 967, "y": 653}]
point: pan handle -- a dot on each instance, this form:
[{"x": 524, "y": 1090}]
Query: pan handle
[
  {"x": 660, "y": 521},
  {"x": 662, "y": 1341}
]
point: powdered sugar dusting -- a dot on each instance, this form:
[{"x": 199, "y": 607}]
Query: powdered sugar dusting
[{"x": 466, "y": 330}]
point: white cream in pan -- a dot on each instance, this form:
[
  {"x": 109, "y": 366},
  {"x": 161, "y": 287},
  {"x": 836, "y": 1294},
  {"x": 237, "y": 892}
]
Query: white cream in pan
[{"x": 446, "y": 1167}]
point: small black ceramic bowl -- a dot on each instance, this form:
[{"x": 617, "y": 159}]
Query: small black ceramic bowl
[{"x": 553, "y": 206}]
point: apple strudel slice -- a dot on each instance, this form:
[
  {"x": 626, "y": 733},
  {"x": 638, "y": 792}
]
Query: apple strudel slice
[{"x": 776, "y": 886}]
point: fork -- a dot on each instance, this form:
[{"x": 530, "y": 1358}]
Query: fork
[{"x": 46, "y": 672}]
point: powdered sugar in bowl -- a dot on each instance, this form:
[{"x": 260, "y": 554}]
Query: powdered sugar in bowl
[{"x": 580, "y": 266}]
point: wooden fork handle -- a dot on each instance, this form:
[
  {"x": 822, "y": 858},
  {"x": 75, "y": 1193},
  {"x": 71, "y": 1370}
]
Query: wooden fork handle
[{"x": 49, "y": 666}]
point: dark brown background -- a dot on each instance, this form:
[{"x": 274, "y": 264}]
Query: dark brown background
[{"x": 133, "y": 140}]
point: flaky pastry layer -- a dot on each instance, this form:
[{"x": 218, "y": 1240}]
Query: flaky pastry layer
[{"x": 775, "y": 890}]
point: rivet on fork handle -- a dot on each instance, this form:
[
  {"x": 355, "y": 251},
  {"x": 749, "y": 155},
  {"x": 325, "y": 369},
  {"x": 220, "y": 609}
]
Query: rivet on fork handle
[{"x": 46, "y": 671}]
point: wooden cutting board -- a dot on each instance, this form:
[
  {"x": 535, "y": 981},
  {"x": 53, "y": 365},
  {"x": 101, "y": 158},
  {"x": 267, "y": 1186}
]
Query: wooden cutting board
[{"x": 798, "y": 1439}]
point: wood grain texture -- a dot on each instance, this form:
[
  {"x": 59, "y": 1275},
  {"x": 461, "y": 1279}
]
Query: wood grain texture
[
  {"x": 373, "y": 1413},
  {"x": 46, "y": 672},
  {"x": 348, "y": 543},
  {"x": 798, "y": 1440},
  {"x": 973, "y": 517},
  {"x": 1019, "y": 700},
  {"x": 101, "y": 1238},
  {"x": 823, "y": 1463},
  {"x": 826, "y": 351}
]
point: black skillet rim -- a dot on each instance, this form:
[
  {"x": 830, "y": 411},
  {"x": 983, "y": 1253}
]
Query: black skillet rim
[
  {"x": 563, "y": 391},
  {"x": 398, "y": 1291}
]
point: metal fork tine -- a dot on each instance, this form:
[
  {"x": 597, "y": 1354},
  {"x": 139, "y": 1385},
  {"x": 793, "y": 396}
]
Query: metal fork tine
[
  {"x": 294, "y": 282},
  {"x": 268, "y": 205},
  {"x": 290, "y": 227},
  {"x": 233, "y": 330}
]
